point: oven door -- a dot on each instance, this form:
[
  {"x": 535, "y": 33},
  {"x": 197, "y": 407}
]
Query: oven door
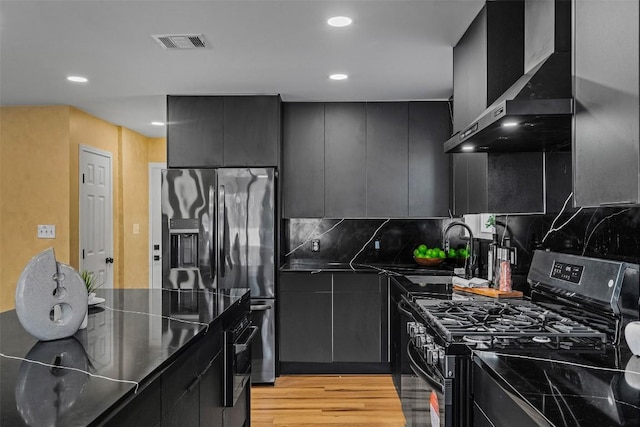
[
  {"x": 423, "y": 397},
  {"x": 238, "y": 365}
]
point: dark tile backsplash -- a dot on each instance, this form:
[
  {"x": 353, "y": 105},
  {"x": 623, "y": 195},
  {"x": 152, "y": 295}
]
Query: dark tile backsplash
[
  {"x": 398, "y": 238},
  {"x": 612, "y": 233}
]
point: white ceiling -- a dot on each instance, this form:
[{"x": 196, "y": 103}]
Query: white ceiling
[{"x": 395, "y": 50}]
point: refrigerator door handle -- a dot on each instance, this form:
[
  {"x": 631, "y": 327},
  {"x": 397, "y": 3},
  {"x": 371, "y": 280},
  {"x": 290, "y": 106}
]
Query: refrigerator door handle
[
  {"x": 212, "y": 222},
  {"x": 222, "y": 217}
]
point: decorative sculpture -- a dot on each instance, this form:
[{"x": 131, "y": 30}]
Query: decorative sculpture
[{"x": 51, "y": 298}]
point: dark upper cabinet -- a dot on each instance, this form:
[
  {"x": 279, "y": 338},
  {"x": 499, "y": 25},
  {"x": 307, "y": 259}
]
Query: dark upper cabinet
[
  {"x": 345, "y": 160},
  {"x": 487, "y": 60},
  {"x": 470, "y": 177},
  {"x": 376, "y": 160},
  {"x": 429, "y": 125},
  {"x": 214, "y": 131},
  {"x": 251, "y": 130},
  {"x": 387, "y": 159},
  {"x": 303, "y": 159},
  {"x": 510, "y": 182},
  {"x": 194, "y": 131},
  {"x": 607, "y": 109}
]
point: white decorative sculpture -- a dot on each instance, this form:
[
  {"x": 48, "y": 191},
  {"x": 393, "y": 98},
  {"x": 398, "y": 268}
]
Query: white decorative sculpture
[{"x": 51, "y": 298}]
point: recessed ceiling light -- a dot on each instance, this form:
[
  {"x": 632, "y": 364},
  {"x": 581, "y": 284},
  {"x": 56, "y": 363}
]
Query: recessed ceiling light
[
  {"x": 338, "y": 76},
  {"x": 77, "y": 79},
  {"x": 157, "y": 123},
  {"x": 510, "y": 124},
  {"x": 467, "y": 148},
  {"x": 339, "y": 21}
]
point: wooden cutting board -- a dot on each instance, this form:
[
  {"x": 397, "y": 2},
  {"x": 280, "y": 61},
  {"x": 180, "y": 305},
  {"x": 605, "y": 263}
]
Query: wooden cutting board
[{"x": 489, "y": 292}]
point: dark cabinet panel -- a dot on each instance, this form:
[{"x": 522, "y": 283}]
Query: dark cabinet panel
[
  {"x": 185, "y": 412},
  {"x": 606, "y": 137},
  {"x": 358, "y": 326},
  {"x": 470, "y": 180},
  {"x": 305, "y": 317},
  {"x": 515, "y": 182},
  {"x": 387, "y": 150},
  {"x": 194, "y": 131},
  {"x": 303, "y": 160},
  {"x": 305, "y": 327},
  {"x": 146, "y": 405},
  {"x": 211, "y": 398},
  {"x": 345, "y": 160},
  {"x": 251, "y": 130},
  {"x": 487, "y": 60},
  {"x": 429, "y": 165}
]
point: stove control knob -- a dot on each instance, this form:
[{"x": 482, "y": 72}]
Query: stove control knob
[
  {"x": 420, "y": 340},
  {"x": 412, "y": 327},
  {"x": 429, "y": 339},
  {"x": 441, "y": 353},
  {"x": 422, "y": 329}
]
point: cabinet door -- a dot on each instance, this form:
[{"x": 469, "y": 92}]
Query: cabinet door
[
  {"x": 429, "y": 126},
  {"x": 345, "y": 160},
  {"x": 305, "y": 317},
  {"x": 211, "y": 399},
  {"x": 387, "y": 159},
  {"x": 194, "y": 131},
  {"x": 186, "y": 412},
  {"x": 251, "y": 130},
  {"x": 470, "y": 73},
  {"x": 303, "y": 160},
  {"x": 607, "y": 111},
  {"x": 470, "y": 183},
  {"x": 477, "y": 187},
  {"x": 357, "y": 318}
]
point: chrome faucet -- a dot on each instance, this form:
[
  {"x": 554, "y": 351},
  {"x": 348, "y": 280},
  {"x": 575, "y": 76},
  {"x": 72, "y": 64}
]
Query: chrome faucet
[{"x": 445, "y": 244}]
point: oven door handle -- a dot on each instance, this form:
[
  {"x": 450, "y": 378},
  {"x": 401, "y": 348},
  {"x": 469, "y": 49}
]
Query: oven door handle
[
  {"x": 432, "y": 380},
  {"x": 240, "y": 347}
]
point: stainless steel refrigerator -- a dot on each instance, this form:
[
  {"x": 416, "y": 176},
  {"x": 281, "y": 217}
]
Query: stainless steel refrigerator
[{"x": 219, "y": 232}]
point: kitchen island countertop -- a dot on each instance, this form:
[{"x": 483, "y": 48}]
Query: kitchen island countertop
[{"x": 131, "y": 337}]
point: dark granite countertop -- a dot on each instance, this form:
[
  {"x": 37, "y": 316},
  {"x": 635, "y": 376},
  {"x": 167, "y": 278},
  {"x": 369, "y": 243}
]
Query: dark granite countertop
[
  {"x": 132, "y": 346},
  {"x": 572, "y": 390},
  {"x": 329, "y": 266}
]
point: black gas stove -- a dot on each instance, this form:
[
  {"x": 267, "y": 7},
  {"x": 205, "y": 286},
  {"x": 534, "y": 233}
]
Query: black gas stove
[{"x": 577, "y": 305}]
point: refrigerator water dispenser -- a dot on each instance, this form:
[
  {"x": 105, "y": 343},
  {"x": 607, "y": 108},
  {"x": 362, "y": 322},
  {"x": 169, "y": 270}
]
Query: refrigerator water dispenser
[{"x": 184, "y": 234}]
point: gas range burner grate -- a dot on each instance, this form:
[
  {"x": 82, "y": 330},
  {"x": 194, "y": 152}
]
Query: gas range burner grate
[{"x": 491, "y": 322}]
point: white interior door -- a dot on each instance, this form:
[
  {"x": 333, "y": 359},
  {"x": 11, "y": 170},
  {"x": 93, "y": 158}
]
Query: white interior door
[
  {"x": 96, "y": 214},
  {"x": 155, "y": 224}
]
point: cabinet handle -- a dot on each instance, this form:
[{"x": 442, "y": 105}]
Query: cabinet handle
[{"x": 261, "y": 307}]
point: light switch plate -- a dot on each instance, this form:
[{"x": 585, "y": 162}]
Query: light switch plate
[
  {"x": 46, "y": 231},
  {"x": 136, "y": 228}
]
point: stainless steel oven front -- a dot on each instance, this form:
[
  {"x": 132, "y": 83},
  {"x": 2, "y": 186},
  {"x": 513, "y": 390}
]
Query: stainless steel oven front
[{"x": 237, "y": 359}]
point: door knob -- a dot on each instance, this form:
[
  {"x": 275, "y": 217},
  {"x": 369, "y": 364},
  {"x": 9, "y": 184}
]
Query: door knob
[{"x": 109, "y": 260}]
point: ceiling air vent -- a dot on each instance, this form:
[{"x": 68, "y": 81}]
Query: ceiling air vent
[{"x": 180, "y": 41}]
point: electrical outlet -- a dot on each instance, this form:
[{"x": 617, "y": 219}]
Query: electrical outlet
[
  {"x": 46, "y": 231},
  {"x": 376, "y": 245},
  {"x": 315, "y": 245},
  {"x": 136, "y": 228}
]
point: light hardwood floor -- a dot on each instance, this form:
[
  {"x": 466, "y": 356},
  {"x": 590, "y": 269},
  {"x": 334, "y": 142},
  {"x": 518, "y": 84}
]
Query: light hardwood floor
[{"x": 312, "y": 400}]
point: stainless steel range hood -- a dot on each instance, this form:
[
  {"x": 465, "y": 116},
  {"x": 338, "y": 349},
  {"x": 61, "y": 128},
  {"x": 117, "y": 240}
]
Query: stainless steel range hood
[{"x": 535, "y": 113}]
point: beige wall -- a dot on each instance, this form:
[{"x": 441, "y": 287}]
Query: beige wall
[{"x": 39, "y": 185}]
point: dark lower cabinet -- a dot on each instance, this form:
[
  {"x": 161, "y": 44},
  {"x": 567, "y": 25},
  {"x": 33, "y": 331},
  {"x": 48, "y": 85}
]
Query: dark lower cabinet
[
  {"x": 357, "y": 317},
  {"x": 188, "y": 393},
  {"x": 332, "y": 321},
  {"x": 211, "y": 410},
  {"x": 305, "y": 317}
]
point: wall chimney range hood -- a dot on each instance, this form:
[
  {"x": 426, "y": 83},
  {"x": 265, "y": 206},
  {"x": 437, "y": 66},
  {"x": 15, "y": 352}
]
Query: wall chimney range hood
[{"x": 535, "y": 113}]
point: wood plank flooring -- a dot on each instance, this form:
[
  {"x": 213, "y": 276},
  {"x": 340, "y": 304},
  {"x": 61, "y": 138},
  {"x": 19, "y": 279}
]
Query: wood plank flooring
[{"x": 336, "y": 400}]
